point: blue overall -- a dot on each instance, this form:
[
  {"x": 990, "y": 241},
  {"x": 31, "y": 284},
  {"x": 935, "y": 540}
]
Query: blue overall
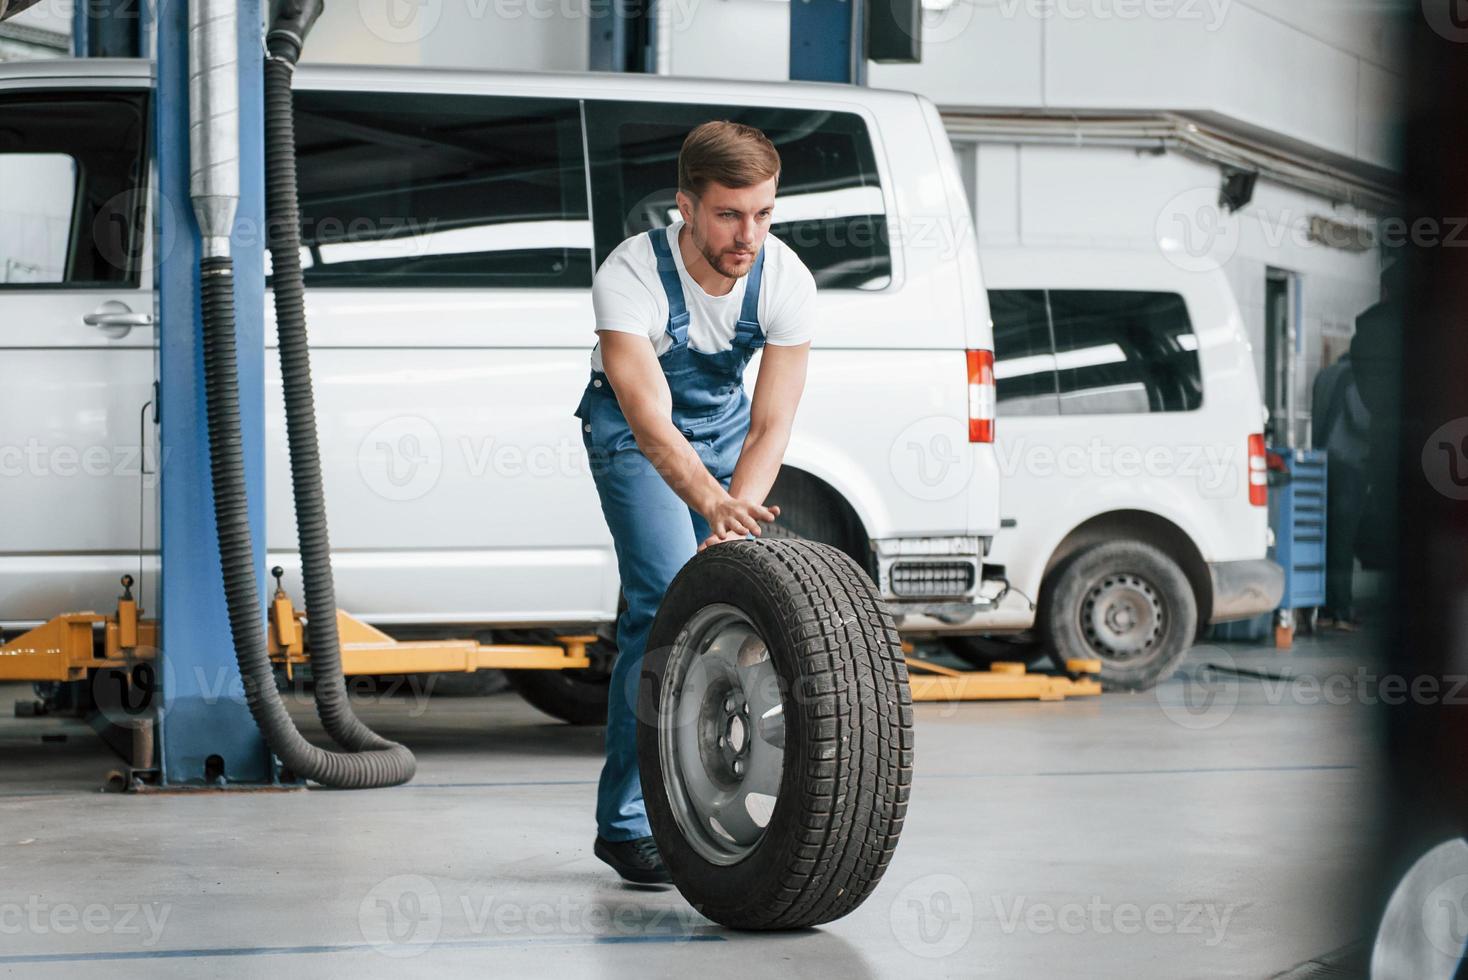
[{"x": 653, "y": 530}]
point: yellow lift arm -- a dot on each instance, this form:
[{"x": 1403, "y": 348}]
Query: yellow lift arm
[{"x": 65, "y": 649}]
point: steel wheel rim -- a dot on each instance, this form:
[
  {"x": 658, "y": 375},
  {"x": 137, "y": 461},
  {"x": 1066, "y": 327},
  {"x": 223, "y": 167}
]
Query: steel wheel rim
[
  {"x": 1122, "y": 617},
  {"x": 721, "y": 734}
]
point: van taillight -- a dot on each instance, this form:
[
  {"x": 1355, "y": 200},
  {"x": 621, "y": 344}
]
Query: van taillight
[
  {"x": 981, "y": 396},
  {"x": 1258, "y": 472}
]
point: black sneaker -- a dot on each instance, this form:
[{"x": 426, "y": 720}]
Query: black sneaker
[{"x": 637, "y": 860}]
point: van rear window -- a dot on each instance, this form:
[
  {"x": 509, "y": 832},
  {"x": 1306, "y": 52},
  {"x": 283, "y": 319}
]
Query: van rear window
[{"x": 1099, "y": 351}]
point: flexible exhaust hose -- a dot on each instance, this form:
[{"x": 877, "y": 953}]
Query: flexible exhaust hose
[
  {"x": 284, "y": 223},
  {"x": 382, "y": 763},
  {"x": 214, "y": 193}
]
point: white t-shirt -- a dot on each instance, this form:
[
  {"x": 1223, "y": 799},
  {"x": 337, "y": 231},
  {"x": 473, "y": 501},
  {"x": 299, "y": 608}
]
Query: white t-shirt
[{"x": 628, "y": 296}]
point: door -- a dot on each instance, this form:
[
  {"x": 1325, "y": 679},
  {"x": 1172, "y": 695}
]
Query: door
[
  {"x": 77, "y": 484},
  {"x": 1281, "y": 349}
]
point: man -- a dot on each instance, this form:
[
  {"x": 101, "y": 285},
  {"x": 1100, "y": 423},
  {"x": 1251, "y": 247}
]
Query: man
[
  {"x": 681, "y": 456},
  {"x": 1376, "y": 362},
  {"x": 1341, "y": 427}
]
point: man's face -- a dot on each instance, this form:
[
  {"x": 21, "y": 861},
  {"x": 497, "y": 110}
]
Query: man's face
[{"x": 729, "y": 224}]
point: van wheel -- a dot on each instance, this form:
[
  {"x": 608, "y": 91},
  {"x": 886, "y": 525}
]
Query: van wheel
[
  {"x": 1126, "y": 604},
  {"x": 578, "y": 697},
  {"x": 774, "y": 734}
]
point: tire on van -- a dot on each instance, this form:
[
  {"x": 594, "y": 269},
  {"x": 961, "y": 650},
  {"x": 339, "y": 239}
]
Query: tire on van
[
  {"x": 577, "y": 697},
  {"x": 774, "y": 734},
  {"x": 1125, "y": 603}
]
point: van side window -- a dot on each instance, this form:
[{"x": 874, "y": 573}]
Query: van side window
[
  {"x": 1024, "y": 353},
  {"x": 435, "y": 191},
  {"x": 829, "y": 207},
  {"x": 1119, "y": 351},
  {"x": 72, "y": 189}
]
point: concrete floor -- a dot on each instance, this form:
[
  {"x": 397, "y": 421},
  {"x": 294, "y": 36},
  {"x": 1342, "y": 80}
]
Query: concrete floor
[{"x": 1126, "y": 836}]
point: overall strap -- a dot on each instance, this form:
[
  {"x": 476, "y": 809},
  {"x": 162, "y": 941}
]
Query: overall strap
[
  {"x": 668, "y": 272},
  {"x": 747, "y": 332}
]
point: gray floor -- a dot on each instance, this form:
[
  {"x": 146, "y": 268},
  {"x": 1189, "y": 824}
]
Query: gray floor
[{"x": 1169, "y": 834}]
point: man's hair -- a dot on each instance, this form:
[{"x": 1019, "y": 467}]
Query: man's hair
[{"x": 726, "y": 153}]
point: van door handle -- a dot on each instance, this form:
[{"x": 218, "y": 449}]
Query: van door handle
[{"x": 116, "y": 320}]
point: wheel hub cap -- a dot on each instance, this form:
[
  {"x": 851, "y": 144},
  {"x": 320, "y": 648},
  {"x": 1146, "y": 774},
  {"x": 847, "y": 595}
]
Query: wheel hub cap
[
  {"x": 721, "y": 734},
  {"x": 1122, "y": 617}
]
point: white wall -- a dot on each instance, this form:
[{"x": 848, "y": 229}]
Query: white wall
[
  {"x": 1321, "y": 71},
  {"x": 1111, "y": 198},
  {"x": 516, "y": 35}
]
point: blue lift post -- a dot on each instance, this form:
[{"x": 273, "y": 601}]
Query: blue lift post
[
  {"x": 109, "y": 28},
  {"x": 828, "y": 41},
  {"x": 204, "y": 714}
]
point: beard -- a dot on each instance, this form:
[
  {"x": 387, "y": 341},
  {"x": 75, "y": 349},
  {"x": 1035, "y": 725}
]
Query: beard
[{"x": 730, "y": 263}]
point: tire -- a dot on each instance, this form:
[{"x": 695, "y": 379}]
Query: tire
[
  {"x": 779, "y": 532},
  {"x": 795, "y": 631},
  {"x": 1124, "y": 603},
  {"x": 577, "y": 697}
]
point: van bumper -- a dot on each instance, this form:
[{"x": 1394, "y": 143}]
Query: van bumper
[{"x": 1244, "y": 589}]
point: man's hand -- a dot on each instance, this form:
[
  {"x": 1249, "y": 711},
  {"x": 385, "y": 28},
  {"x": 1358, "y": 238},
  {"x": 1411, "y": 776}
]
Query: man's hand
[
  {"x": 730, "y": 518},
  {"x": 737, "y": 534},
  {"x": 714, "y": 539}
]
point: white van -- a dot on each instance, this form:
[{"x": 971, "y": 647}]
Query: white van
[
  {"x": 452, "y": 220},
  {"x": 1131, "y": 449}
]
